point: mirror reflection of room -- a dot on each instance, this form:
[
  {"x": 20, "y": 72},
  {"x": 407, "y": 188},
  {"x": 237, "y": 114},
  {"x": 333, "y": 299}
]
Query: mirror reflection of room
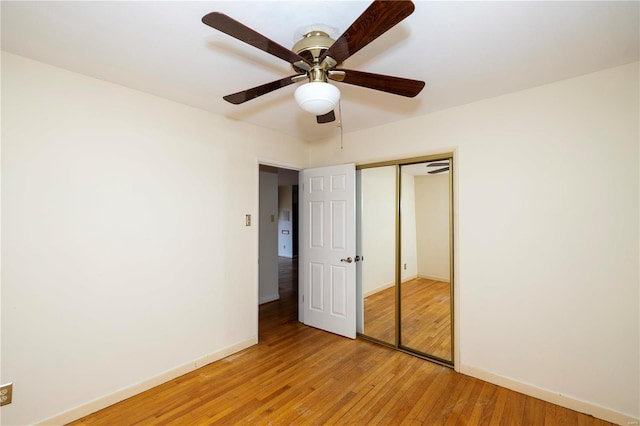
[
  {"x": 377, "y": 244},
  {"x": 425, "y": 290}
]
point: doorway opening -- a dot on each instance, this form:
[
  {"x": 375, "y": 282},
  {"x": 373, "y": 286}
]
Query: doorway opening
[{"x": 278, "y": 247}]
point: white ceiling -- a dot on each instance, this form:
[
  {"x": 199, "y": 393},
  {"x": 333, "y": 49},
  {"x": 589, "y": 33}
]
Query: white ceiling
[{"x": 465, "y": 51}]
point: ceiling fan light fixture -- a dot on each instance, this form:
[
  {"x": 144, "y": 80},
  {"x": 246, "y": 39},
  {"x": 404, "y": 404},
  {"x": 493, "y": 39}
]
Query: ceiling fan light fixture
[{"x": 317, "y": 97}]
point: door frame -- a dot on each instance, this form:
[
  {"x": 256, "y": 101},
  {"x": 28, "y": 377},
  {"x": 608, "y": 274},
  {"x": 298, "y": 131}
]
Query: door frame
[{"x": 255, "y": 222}]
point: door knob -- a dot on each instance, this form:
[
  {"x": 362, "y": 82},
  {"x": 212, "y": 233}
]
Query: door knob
[{"x": 348, "y": 260}]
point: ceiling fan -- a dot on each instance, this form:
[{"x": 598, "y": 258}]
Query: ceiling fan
[
  {"x": 315, "y": 57},
  {"x": 444, "y": 167}
]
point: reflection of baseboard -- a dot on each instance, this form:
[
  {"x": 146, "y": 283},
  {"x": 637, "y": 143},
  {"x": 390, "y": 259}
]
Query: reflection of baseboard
[
  {"x": 404, "y": 280},
  {"x": 433, "y": 277},
  {"x": 378, "y": 289}
]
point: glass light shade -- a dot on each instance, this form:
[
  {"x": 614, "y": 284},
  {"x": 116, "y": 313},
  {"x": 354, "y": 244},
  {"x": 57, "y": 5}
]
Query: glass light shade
[{"x": 317, "y": 97}]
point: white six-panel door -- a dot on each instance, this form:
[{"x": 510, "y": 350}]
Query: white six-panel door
[{"x": 327, "y": 249}]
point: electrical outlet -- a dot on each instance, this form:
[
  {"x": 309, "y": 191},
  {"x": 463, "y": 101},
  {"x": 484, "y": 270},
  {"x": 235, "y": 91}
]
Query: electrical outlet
[
  {"x": 247, "y": 220},
  {"x": 405, "y": 266},
  {"x": 6, "y": 392}
]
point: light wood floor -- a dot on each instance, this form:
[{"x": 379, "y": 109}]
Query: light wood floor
[
  {"x": 425, "y": 318},
  {"x": 302, "y": 376}
]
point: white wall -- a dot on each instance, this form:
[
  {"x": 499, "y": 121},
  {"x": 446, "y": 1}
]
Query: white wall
[
  {"x": 432, "y": 226},
  {"x": 124, "y": 250},
  {"x": 125, "y": 255},
  {"x": 378, "y": 225},
  {"x": 268, "y": 245},
  {"x": 547, "y": 184},
  {"x": 408, "y": 237}
]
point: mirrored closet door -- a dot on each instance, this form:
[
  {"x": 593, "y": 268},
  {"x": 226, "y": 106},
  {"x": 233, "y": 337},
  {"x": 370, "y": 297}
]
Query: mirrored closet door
[
  {"x": 405, "y": 235},
  {"x": 425, "y": 251},
  {"x": 376, "y": 240}
]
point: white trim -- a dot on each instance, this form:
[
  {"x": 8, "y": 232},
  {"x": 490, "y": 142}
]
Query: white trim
[
  {"x": 278, "y": 164},
  {"x": 456, "y": 264},
  {"x": 378, "y": 289},
  {"x": 552, "y": 397},
  {"x": 434, "y": 278},
  {"x": 122, "y": 394},
  {"x": 407, "y": 279}
]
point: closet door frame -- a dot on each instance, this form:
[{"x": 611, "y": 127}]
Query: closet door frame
[{"x": 450, "y": 155}]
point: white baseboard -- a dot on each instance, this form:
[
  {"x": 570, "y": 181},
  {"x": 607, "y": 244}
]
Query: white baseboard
[
  {"x": 404, "y": 280},
  {"x": 378, "y": 289},
  {"x": 552, "y": 397},
  {"x": 434, "y": 278},
  {"x": 122, "y": 394}
]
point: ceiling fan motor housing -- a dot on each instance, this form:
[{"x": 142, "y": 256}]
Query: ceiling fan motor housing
[{"x": 312, "y": 46}]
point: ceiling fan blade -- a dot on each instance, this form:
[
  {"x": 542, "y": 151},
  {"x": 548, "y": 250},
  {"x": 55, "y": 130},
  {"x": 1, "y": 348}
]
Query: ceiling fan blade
[
  {"x": 379, "y": 17},
  {"x": 433, "y": 172},
  {"x": 247, "y": 95},
  {"x": 235, "y": 29},
  {"x": 438, "y": 164},
  {"x": 396, "y": 85},
  {"x": 326, "y": 118}
]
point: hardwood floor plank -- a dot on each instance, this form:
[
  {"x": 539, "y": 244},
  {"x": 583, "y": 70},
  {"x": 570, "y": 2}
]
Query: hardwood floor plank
[
  {"x": 464, "y": 418},
  {"x": 534, "y": 410},
  {"x": 303, "y": 376},
  {"x": 498, "y": 408},
  {"x": 442, "y": 409},
  {"x": 425, "y": 404},
  {"x": 514, "y": 409},
  {"x": 395, "y": 392},
  {"x": 462, "y": 397},
  {"x": 481, "y": 412},
  {"x": 420, "y": 380},
  {"x": 550, "y": 416}
]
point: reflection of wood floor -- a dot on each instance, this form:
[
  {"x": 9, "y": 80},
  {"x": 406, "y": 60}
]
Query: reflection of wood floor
[
  {"x": 304, "y": 376},
  {"x": 426, "y": 319}
]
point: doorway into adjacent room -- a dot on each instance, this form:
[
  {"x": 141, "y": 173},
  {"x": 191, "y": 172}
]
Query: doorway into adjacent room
[{"x": 278, "y": 247}]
